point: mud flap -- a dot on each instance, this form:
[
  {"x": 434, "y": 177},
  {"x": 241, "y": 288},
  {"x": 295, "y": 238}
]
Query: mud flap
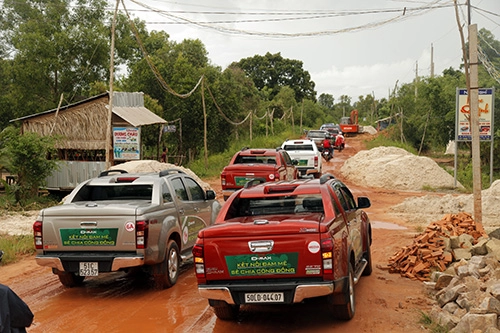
[{"x": 341, "y": 295}]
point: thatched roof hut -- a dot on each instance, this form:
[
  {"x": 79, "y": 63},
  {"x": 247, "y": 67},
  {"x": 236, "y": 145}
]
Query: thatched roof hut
[{"x": 83, "y": 125}]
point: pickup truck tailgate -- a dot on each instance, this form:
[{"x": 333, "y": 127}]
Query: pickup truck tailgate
[
  {"x": 83, "y": 228},
  {"x": 280, "y": 249}
]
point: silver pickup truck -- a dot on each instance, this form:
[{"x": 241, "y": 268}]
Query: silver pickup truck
[{"x": 119, "y": 221}]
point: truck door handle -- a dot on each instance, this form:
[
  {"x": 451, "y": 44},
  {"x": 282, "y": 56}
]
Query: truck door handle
[{"x": 261, "y": 246}]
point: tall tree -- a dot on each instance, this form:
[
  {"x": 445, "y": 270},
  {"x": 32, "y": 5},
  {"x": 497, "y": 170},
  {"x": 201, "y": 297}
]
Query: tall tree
[{"x": 272, "y": 71}]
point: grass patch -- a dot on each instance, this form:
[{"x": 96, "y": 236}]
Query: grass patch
[
  {"x": 383, "y": 140},
  {"x": 429, "y": 324},
  {"x": 15, "y": 247}
]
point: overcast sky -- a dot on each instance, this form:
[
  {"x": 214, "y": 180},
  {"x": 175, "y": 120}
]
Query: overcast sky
[{"x": 350, "y": 47}]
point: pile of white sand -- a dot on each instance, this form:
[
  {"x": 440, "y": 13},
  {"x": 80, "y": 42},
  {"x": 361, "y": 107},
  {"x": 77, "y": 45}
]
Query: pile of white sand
[
  {"x": 143, "y": 166},
  {"x": 395, "y": 168},
  {"x": 430, "y": 208}
]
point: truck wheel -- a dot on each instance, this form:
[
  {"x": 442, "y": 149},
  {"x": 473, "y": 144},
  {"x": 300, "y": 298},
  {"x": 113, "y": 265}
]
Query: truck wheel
[
  {"x": 223, "y": 310},
  {"x": 165, "y": 274},
  {"x": 368, "y": 257},
  {"x": 345, "y": 311},
  {"x": 70, "y": 280}
]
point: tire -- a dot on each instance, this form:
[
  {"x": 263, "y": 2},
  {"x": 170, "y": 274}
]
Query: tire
[
  {"x": 225, "y": 311},
  {"x": 226, "y": 197},
  {"x": 346, "y": 310},
  {"x": 368, "y": 257},
  {"x": 70, "y": 280},
  {"x": 166, "y": 273}
]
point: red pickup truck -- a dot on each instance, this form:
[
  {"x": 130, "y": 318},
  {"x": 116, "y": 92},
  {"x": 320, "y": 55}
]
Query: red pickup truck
[
  {"x": 281, "y": 243},
  {"x": 248, "y": 164}
]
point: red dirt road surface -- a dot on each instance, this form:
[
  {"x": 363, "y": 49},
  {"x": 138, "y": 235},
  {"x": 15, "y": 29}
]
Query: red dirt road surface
[{"x": 120, "y": 302}]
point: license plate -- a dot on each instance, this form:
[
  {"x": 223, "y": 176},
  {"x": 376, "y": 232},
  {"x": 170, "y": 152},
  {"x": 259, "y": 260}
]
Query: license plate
[
  {"x": 89, "y": 269},
  {"x": 264, "y": 298}
]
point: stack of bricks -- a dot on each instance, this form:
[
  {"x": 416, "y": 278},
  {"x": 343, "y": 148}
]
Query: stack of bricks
[{"x": 429, "y": 252}]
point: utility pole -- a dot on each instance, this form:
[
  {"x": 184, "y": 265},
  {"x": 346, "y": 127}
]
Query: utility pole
[
  {"x": 473, "y": 94},
  {"x": 432, "y": 60},
  {"x": 109, "y": 147},
  {"x": 416, "y": 79}
]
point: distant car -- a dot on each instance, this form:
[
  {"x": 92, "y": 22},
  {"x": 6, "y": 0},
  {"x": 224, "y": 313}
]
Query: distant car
[
  {"x": 333, "y": 129},
  {"x": 307, "y": 154},
  {"x": 252, "y": 163},
  {"x": 317, "y": 136}
]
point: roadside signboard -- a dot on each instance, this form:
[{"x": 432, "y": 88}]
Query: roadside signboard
[
  {"x": 463, "y": 132},
  {"x": 126, "y": 143},
  {"x": 169, "y": 128},
  {"x": 463, "y": 128}
]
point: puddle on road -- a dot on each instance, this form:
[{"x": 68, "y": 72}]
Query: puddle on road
[{"x": 386, "y": 225}]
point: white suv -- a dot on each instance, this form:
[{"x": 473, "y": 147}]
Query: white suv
[{"x": 307, "y": 154}]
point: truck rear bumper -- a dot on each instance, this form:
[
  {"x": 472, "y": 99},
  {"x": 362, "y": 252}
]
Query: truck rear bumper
[
  {"x": 108, "y": 264},
  {"x": 297, "y": 291}
]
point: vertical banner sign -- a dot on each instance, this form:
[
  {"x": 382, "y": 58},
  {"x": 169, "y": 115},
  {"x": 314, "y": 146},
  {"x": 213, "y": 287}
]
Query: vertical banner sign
[
  {"x": 126, "y": 143},
  {"x": 463, "y": 130}
]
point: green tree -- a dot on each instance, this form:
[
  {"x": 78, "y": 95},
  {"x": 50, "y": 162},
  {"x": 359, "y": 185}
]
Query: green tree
[
  {"x": 27, "y": 156},
  {"x": 272, "y": 71},
  {"x": 58, "y": 47},
  {"x": 327, "y": 101}
]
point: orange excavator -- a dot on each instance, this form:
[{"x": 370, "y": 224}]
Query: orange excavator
[{"x": 349, "y": 125}]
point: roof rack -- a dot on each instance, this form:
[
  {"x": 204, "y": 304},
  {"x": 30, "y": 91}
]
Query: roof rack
[
  {"x": 167, "y": 172},
  {"x": 107, "y": 172},
  {"x": 326, "y": 177}
]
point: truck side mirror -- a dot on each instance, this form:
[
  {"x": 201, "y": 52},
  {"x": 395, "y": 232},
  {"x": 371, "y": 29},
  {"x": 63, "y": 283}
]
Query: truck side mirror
[
  {"x": 363, "y": 202},
  {"x": 210, "y": 194}
]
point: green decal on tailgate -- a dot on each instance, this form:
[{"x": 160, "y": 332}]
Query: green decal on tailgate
[
  {"x": 302, "y": 163},
  {"x": 241, "y": 181},
  {"x": 88, "y": 237},
  {"x": 252, "y": 264}
]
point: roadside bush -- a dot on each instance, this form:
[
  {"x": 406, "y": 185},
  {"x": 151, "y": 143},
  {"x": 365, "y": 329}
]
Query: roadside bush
[
  {"x": 27, "y": 157},
  {"x": 15, "y": 247}
]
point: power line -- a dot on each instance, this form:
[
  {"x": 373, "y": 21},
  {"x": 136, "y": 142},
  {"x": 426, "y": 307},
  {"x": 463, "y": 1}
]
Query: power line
[{"x": 400, "y": 14}]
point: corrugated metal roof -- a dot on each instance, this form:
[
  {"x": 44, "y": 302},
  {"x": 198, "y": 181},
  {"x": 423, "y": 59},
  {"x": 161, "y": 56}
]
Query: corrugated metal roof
[{"x": 137, "y": 115}]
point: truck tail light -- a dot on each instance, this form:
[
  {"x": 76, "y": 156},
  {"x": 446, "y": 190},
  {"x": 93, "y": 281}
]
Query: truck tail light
[
  {"x": 199, "y": 261},
  {"x": 315, "y": 161},
  {"x": 37, "y": 235},
  {"x": 223, "y": 180},
  {"x": 327, "y": 255},
  {"x": 141, "y": 234}
]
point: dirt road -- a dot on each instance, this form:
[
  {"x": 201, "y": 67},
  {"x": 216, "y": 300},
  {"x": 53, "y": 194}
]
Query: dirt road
[{"x": 126, "y": 303}]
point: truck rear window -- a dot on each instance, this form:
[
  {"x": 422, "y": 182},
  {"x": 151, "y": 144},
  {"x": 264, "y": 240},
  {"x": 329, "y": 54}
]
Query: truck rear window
[
  {"x": 114, "y": 192},
  {"x": 255, "y": 159},
  {"x": 298, "y": 147},
  {"x": 296, "y": 204}
]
